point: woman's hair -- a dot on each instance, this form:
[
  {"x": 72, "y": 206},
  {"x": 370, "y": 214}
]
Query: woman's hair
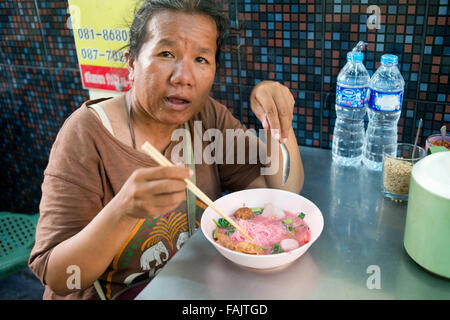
[{"x": 138, "y": 31}]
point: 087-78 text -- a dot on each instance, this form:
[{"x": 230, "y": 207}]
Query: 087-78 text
[{"x": 110, "y": 55}]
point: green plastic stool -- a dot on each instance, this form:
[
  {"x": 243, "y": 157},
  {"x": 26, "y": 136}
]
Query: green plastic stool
[{"x": 17, "y": 234}]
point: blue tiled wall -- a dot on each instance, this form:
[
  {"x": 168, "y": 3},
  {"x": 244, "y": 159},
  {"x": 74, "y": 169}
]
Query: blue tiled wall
[{"x": 300, "y": 43}]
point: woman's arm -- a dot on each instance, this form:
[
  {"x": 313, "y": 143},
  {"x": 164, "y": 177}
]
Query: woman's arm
[
  {"x": 273, "y": 105},
  {"x": 91, "y": 250},
  {"x": 148, "y": 193}
]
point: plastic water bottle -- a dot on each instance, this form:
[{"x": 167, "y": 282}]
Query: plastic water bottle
[
  {"x": 351, "y": 104},
  {"x": 386, "y": 96}
]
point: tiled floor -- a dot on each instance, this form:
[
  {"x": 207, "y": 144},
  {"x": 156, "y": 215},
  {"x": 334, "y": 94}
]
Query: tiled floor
[{"x": 21, "y": 286}]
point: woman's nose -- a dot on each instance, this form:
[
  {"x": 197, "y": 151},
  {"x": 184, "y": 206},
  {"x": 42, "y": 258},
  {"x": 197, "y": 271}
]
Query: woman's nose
[{"x": 182, "y": 73}]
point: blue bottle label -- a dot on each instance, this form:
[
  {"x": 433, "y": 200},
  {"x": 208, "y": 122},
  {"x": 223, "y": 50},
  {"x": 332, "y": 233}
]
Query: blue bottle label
[
  {"x": 351, "y": 97},
  {"x": 386, "y": 101}
]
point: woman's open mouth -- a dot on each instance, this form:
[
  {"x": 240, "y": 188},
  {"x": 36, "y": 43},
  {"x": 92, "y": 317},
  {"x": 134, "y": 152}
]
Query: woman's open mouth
[{"x": 177, "y": 103}]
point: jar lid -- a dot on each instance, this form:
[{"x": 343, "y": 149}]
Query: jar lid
[{"x": 433, "y": 174}]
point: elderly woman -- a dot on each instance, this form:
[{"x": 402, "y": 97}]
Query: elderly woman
[{"x": 110, "y": 216}]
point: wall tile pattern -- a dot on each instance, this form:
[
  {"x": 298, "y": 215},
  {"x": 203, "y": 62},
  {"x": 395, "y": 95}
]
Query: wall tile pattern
[{"x": 301, "y": 43}]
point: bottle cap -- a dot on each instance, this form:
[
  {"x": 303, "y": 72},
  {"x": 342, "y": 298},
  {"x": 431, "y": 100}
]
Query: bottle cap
[
  {"x": 389, "y": 58},
  {"x": 355, "y": 56}
]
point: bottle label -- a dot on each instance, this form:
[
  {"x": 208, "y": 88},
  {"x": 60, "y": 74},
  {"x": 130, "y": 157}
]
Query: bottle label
[
  {"x": 386, "y": 101},
  {"x": 351, "y": 97}
]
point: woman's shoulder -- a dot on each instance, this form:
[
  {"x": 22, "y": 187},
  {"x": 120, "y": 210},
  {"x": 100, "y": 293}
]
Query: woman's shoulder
[
  {"x": 81, "y": 122},
  {"x": 82, "y": 116},
  {"x": 79, "y": 132}
]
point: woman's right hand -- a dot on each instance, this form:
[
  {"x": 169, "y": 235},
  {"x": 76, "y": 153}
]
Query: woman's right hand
[{"x": 150, "y": 192}]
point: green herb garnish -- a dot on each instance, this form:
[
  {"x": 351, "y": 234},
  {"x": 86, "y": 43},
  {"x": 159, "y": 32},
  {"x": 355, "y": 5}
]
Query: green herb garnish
[
  {"x": 230, "y": 231},
  {"x": 287, "y": 222},
  {"x": 301, "y": 215},
  {"x": 222, "y": 223},
  {"x": 276, "y": 249},
  {"x": 257, "y": 210},
  {"x": 216, "y": 230}
]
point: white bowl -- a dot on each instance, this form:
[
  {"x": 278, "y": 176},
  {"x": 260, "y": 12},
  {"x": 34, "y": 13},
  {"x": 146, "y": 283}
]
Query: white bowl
[{"x": 259, "y": 198}]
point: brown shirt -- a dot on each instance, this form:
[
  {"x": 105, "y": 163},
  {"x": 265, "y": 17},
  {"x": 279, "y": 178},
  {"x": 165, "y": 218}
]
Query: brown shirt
[{"x": 87, "y": 168}]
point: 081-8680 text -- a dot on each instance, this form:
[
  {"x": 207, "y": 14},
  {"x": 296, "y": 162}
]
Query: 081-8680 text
[{"x": 118, "y": 35}]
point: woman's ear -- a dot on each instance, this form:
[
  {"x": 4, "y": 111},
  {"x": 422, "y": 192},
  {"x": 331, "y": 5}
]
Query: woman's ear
[{"x": 130, "y": 65}]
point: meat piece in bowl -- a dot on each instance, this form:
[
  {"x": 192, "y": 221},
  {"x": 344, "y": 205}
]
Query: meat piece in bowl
[
  {"x": 249, "y": 248},
  {"x": 244, "y": 213},
  {"x": 224, "y": 241}
]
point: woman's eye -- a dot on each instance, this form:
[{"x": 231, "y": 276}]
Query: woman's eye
[
  {"x": 166, "y": 54},
  {"x": 201, "y": 60}
]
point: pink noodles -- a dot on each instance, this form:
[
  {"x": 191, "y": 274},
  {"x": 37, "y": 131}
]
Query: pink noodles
[
  {"x": 262, "y": 229},
  {"x": 270, "y": 231}
]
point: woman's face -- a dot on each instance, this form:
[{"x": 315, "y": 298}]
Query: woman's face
[{"x": 175, "y": 67}]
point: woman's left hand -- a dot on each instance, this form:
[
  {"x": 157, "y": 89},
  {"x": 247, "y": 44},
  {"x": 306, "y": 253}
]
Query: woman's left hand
[{"x": 273, "y": 105}]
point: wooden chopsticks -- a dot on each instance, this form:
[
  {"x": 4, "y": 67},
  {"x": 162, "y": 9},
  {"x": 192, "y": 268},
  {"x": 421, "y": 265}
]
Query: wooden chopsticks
[{"x": 163, "y": 161}]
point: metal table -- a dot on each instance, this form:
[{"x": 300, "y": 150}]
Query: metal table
[{"x": 359, "y": 255}]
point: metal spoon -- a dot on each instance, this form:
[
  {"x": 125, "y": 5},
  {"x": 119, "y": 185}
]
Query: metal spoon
[
  {"x": 443, "y": 133},
  {"x": 286, "y": 163},
  {"x": 286, "y": 158}
]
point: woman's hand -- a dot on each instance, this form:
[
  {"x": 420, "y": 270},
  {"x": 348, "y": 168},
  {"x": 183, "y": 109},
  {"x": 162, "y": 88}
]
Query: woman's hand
[
  {"x": 273, "y": 105},
  {"x": 150, "y": 192}
]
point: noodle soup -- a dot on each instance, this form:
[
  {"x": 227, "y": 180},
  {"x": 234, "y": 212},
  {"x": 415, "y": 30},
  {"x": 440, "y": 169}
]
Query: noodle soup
[{"x": 272, "y": 229}]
